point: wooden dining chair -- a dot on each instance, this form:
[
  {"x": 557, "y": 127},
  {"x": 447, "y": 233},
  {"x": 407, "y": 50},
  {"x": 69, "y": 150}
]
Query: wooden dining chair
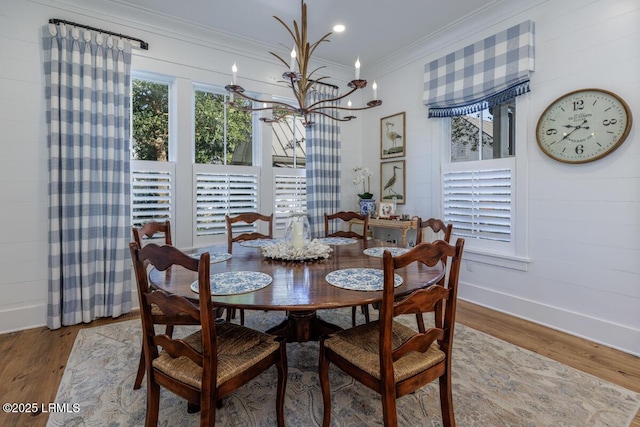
[
  {"x": 209, "y": 364},
  {"x": 144, "y": 233},
  {"x": 390, "y": 358},
  {"x": 437, "y": 227},
  {"x": 246, "y": 218},
  {"x": 345, "y": 217},
  {"x": 150, "y": 229},
  {"x": 437, "y": 230}
]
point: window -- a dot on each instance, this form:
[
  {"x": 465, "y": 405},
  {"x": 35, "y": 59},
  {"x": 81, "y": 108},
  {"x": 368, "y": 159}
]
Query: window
[
  {"x": 478, "y": 203},
  {"x": 223, "y": 135},
  {"x": 477, "y": 183},
  {"x": 150, "y": 120},
  {"x": 288, "y": 156},
  {"x": 219, "y": 194},
  {"x": 290, "y": 197},
  {"x": 152, "y": 175},
  {"x": 151, "y": 190},
  {"x": 288, "y": 147},
  {"x": 493, "y": 129}
]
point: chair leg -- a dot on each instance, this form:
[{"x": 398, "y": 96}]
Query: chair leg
[
  {"x": 365, "y": 311},
  {"x": 141, "y": 368},
  {"x": 389, "y": 410},
  {"x": 282, "y": 368},
  {"x": 446, "y": 400},
  {"x": 242, "y": 316},
  {"x": 353, "y": 316},
  {"x": 153, "y": 404},
  {"x": 207, "y": 412},
  {"x": 324, "y": 385},
  {"x": 420, "y": 321}
]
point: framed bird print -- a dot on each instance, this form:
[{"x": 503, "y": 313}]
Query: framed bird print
[
  {"x": 392, "y": 136},
  {"x": 392, "y": 182}
]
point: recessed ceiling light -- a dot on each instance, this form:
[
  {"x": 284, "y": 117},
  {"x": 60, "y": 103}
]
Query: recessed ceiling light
[{"x": 338, "y": 28}]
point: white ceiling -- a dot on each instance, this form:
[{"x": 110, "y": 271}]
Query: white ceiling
[{"x": 375, "y": 29}]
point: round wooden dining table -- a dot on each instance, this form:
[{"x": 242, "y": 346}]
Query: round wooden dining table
[{"x": 298, "y": 287}]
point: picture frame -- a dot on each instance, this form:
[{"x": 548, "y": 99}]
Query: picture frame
[
  {"x": 392, "y": 136},
  {"x": 385, "y": 210},
  {"x": 392, "y": 182}
]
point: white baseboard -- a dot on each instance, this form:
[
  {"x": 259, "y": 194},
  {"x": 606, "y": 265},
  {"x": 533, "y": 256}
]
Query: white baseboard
[
  {"x": 19, "y": 319},
  {"x": 620, "y": 337}
]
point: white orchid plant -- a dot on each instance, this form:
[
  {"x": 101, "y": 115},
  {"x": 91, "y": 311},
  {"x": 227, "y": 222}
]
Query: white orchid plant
[{"x": 363, "y": 176}]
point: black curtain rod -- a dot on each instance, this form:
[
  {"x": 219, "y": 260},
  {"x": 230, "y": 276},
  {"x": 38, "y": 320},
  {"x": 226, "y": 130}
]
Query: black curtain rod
[{"x": 143, "y": 45}]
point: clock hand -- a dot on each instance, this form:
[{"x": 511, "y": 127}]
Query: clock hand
[
  {"x": 579, "y": 126},
  {"x": 574, "y": 129}
]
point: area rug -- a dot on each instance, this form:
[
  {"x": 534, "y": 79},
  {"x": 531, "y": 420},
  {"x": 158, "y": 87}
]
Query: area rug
[{"x": 494, "y": 384}]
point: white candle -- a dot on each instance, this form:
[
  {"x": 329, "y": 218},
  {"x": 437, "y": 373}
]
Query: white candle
[
  {"x": 374, "y": 86},
  {"x": 297, "y": 238},
  {"x": 358, "y": 68},
  {"x": 293, "y": 60},
  {"x": 234, "y": 74}
]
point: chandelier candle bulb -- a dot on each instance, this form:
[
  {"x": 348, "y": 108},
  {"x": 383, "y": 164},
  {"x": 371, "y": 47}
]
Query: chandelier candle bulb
[
  {"x": 358, "y": 68},
  {"x": 234, "y": 74},
  {"x": 293, "y": 60},
  {"x": 374, "y": 86}
]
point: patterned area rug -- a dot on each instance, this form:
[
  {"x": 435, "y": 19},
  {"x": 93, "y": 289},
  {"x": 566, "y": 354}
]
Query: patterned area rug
[{"x": 494, "y": 384}]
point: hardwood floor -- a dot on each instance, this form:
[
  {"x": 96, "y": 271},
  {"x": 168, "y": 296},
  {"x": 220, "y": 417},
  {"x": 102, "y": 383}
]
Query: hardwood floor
[{"x": 32, "y": 362}]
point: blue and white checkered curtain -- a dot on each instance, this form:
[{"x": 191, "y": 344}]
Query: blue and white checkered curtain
[
  {"x": 323, "y": 164},
  {"x": 481, "y": 75},
  {"x": 88, "y": 96}
]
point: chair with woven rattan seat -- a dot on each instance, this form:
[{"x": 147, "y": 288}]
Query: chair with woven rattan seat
[
  {"x": 346, "y": 216},
  {"x": 209, "y": 364},
  {"x": 393, "y": 359},
  {"x": 429, "y": 231},
  {"x": 146, "y": 233},
  {"x": 246, "y": 218},
  {"x": 150, "y": 229},
  {"x": 438, "y": 228}
]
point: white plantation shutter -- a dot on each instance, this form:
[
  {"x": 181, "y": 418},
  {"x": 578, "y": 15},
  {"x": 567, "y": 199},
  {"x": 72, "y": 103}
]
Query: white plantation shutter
[
  {"x": 218, "y": 194},
  {"x": 479, "y": 203},
  {"x": 290, "y": 196},
  {"x": 151, "y": 191}
]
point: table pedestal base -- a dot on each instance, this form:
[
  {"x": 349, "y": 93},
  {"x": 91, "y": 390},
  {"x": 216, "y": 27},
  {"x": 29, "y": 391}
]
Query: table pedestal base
[{"x": 303, "y": 326}]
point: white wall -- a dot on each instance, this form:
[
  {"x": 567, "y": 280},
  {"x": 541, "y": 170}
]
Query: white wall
[{"x": 583, "y": 221}]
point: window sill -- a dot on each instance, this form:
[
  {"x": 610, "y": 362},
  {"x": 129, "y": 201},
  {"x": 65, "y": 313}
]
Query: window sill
[{"x": 497, "y": 259}]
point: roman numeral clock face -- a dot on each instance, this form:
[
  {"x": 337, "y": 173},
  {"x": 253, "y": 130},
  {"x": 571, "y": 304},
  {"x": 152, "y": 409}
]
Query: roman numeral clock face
[{"x": 583, "y": 126}]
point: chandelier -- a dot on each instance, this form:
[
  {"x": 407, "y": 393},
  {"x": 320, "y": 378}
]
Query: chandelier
[{"x": 303, "y": 83}]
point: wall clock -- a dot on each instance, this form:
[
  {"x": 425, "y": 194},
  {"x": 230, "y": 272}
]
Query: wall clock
[{"x": 583, "y": 126}]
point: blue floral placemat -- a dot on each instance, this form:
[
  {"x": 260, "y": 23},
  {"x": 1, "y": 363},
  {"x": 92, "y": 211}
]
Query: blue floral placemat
[
  {"x": 377, "y": 252},
  {"x": 214, "y": 256},
  {"x": 236, "y": 282},
  {"x": 336, "y": 241},
  {"x": 360, "y": 279},
  {"x": 259, "y": 243}
]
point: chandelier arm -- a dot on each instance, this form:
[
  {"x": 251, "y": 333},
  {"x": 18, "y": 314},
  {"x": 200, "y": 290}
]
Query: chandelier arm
[
  {"x": 274, "y": 103},
  {"x": 339, "y": 119},
  {"x": 372, "y": 104}
]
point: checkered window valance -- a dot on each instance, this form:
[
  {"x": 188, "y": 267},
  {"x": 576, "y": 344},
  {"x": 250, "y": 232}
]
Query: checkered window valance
[{"x": 481, "y": 75}]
